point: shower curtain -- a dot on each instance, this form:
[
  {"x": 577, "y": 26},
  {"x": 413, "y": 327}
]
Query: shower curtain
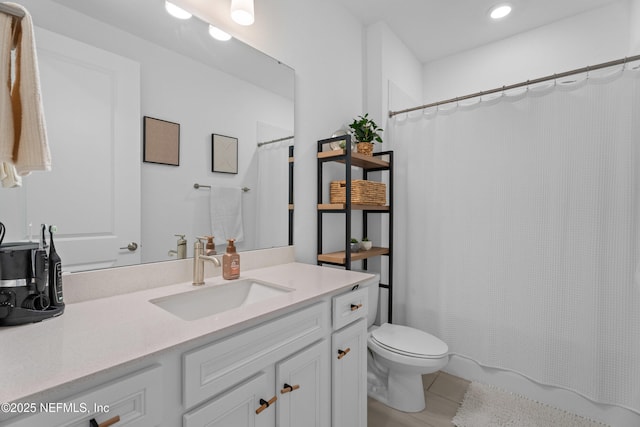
[
  {"x": 517, "y": 226},
  {"x": 273, "y": 195}
]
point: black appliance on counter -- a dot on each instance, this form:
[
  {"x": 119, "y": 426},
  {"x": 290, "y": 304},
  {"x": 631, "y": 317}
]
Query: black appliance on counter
[{"x": 28, "y": 292}]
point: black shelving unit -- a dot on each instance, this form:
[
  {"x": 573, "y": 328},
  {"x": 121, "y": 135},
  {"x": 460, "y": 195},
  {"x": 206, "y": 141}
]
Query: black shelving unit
[
  {"x": 291, "y": 163},
  {"x": 382, "y": 161}
]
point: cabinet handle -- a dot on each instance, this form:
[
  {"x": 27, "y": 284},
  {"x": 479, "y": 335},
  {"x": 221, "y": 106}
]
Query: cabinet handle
[
  {"x": 110, "y": 421},
  {"x": 355, "y": 307},
  {"x": 287, "y": 388},
  {"x": 343, "y": 353},
  {"x": 264, "y": 404}
]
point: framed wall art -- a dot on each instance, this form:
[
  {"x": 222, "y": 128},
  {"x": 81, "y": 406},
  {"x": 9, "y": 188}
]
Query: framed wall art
[
  {"x": 161, "y": 142},
  {"x": 224, "y": 154}
]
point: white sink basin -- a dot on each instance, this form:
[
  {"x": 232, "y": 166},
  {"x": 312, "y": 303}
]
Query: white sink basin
[{"x": 215, "y": 299}]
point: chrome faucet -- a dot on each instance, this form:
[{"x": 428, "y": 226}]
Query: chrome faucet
[{"x": 198, "y": 261}]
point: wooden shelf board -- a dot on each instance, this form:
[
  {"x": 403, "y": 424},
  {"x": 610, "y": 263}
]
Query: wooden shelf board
[
  {"x": 342, "y": 206},
  {"x": 365, "y": 162},
  {"x": 340, "y": 257}
]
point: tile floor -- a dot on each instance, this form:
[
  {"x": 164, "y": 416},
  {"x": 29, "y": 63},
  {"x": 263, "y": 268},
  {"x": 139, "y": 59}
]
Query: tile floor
[{"x": 444, "y": 395}]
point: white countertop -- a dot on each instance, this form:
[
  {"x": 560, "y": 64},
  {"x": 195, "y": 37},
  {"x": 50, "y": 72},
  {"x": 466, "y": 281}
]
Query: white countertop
[{"x": 97, "y": 335}]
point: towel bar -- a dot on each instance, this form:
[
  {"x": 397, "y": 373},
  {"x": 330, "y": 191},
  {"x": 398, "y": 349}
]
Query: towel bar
[{"x": 197, "y": 186}]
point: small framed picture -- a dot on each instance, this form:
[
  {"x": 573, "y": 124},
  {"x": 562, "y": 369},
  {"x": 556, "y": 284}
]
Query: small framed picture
[
  {"x": 224, "y": 154},
  {"x": 161, "y": 142}
]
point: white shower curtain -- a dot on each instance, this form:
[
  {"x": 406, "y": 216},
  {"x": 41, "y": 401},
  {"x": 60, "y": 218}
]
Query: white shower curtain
[
  {"x": 273, "y": 195},
  {"x": 518, "y": 223}
]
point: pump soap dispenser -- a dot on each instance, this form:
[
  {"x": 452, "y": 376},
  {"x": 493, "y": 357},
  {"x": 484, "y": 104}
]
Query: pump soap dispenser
[
  {"x": 231, "y": 262},
  {"x": 210, "y": 248}
]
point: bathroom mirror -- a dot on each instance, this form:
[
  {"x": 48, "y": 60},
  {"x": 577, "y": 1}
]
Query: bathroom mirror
[{"x": 104, "y": 66}]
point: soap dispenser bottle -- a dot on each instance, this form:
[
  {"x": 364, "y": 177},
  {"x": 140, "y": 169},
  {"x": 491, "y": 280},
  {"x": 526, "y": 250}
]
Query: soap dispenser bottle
[
  {"x": 210, "y": 248},
  {"x": 231, "y": 262}
]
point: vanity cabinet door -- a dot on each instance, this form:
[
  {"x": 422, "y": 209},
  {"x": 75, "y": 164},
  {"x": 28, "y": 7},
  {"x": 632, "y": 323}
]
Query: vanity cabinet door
[
  {"x": 136, "y": 400},
  {"x": 349, "y": 374},
  {"x": 238, "y": 407},
  {"x": 302, "y": 386}
]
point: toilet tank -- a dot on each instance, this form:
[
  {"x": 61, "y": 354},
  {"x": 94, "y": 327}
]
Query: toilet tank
[{"x": 372, "y": 288}]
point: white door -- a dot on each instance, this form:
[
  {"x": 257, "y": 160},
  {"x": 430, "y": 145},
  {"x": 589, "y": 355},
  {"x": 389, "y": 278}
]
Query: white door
[
  {"x": 92, "y": 109},
  {"x": 349, "y": 368},
  {"x": 302, "y": 385}
]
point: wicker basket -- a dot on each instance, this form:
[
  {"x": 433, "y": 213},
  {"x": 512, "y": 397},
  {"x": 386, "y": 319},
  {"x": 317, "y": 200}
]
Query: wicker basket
[
  {"x": 365, "y": 148},
  {"x": 362, "y": 192}
]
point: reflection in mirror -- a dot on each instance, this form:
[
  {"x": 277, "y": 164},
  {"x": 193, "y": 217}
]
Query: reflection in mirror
[
  {"x": 105, "y": 65},
  {"x": 273, "y": 148}
]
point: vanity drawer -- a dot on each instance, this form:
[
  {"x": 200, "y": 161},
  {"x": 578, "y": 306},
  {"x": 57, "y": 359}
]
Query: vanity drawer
[
  {"x": 136, "y": 399},
  {"x": 350, "y": 307},
  {"x": 220, "y": 365}
]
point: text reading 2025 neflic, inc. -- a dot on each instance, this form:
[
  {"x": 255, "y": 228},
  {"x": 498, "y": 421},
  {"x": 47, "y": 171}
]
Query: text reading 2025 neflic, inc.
[{"x": 52, "y": 407}]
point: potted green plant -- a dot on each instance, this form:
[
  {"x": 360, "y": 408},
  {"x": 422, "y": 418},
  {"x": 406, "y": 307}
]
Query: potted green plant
[
  {"x": 366, "y": 244},
  {"x": 355, "y": 246},
  {"x": 365, "y": 131}
]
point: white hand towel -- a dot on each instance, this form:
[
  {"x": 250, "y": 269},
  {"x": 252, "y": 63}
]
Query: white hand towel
[
  {"x": 226, "y": 214},
  {"x": 8, "y": 176},
  {"x": 31, "y": 147},
  {"x": 6, "y": 109}
]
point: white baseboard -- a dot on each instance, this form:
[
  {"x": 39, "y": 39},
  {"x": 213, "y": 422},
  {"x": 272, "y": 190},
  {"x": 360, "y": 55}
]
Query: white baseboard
[{"x": 560, "y": 398}]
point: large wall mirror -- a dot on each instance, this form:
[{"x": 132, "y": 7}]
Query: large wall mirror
[{"x": 105, "y": 66}]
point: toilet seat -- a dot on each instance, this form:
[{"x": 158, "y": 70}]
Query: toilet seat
[{"x": 409, "y": 342}]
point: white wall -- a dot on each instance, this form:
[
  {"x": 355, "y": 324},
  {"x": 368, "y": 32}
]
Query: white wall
[
  {"x": 590, "y": 38},
  {"x": 323, "y": 43},
  {"x": 634, "y": 21}
]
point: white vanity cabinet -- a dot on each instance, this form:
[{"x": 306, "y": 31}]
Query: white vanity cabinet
[
  {"x": 223, "y": 374},
  {"x": 296, "y": 390},
  {"x": 303, "y": 388},
  {"x": 349, "y": 359},
  {"x": 283, "y": 363},
  {"x": 135, "y": 399},
  {"x": 238, "y": 407}
]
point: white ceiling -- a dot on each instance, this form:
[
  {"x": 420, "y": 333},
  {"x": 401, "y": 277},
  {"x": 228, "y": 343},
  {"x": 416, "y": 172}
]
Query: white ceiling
[{"x": 433, "y": 29}]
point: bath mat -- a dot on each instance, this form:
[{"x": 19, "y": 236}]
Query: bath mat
[{"x": 488, "y": 406}]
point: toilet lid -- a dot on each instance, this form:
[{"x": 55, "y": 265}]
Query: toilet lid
[{"x": 410, "y": 341}]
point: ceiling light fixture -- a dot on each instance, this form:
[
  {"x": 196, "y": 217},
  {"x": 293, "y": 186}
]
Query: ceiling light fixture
[
  {"x": 500, "y": 11},
  {"x": 218, "y": 34},
  {"x": 175, "y": 11},
  {"x": 242, "y": 11}
]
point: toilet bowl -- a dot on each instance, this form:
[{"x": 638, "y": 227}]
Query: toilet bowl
[{"x": 398, "y": 357}]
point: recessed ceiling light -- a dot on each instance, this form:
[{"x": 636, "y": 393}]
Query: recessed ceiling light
[
  {"x": 218, "y": 34},
  {"x": 500, "y": 11},
  {"x": 242, "y": 11},
  {"x": 175, "y": 11}
]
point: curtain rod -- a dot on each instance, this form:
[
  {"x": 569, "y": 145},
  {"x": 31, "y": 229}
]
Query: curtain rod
[
  {"x": 260, "y": 144},
  {"x": 11, "y": 11},
  {"x": 517, "y": 85}
]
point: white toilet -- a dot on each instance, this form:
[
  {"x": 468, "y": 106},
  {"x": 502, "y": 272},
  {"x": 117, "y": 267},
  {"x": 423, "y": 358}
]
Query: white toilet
[{"x": 398, "y": 357}]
